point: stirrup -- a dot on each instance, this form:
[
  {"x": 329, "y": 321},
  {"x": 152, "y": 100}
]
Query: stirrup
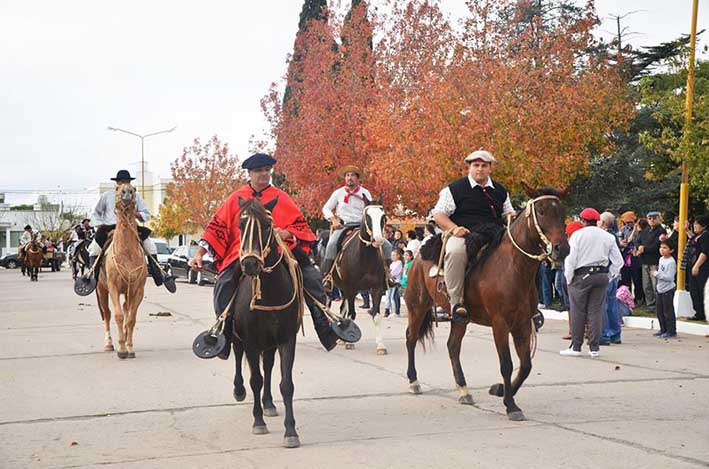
[
  {"x": 328, "y": 283},
  {"x": 460, "y": 314}
]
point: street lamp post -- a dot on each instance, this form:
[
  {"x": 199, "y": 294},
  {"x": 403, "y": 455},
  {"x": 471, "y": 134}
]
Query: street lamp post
[{"x": 142, "y": 151}]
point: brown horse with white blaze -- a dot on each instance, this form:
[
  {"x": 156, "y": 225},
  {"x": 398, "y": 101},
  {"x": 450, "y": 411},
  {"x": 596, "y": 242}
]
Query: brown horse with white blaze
[
  {"x": 500, "y": 292},
  {"x": 123, "y": 273}
]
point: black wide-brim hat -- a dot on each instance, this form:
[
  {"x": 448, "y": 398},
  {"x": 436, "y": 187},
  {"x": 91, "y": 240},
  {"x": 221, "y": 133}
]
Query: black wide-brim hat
[
  {"x": 258, "y": 160},
  {"x": 123, "y": 175}
]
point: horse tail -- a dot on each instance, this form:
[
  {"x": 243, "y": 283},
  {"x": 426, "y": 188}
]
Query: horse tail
[{"x": 419, "y": 303}]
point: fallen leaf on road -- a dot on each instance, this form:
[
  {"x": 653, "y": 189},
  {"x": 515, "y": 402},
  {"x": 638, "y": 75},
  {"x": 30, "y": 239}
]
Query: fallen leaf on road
[
  {"x": 73, "y": 443},
  {"x": 617, "y": 367},
  {"x": 160, "y": 314}
]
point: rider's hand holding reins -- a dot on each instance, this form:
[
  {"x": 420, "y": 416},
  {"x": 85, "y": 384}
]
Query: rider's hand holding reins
[
  {"x": 196, "y": 262},
  {"x": 335, "y": 223},
  {"x": 460, "y": 232}
]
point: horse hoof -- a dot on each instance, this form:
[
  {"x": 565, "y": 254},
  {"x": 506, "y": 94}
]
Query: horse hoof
[
  {"x": 497, "y": 390},
  {"x": 270, "y": 411},
  {"x": 415, "y": 388},
  {"x": 130, "y": 355},
  {"x": 108, "y": 348},
  {"x": 349, "y": 346},
  {"x": 239, "y": 396},
  {"x": 516, "y": 416},
  {"x": 466, "y": 400},
  {"x": 259, "y": 430},
  {"x": 291, "y": 442},
  {"x": 382, "y": 351},
  {"x": 122, "y": 355}
]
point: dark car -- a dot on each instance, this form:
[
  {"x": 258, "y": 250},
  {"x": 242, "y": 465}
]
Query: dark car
[
  {"x": 178, "y": 265},
  {"x": 10, "y": 261}
]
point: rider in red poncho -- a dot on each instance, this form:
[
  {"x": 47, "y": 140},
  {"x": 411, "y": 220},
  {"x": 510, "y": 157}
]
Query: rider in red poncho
[{"x": 221, "y": 238}]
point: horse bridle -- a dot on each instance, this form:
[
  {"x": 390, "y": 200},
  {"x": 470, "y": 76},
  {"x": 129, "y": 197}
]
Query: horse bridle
[
  {"x": 246, "y": 242},
  {"x": 368, "y": 230},
  {"x": 530, "y": 214}
]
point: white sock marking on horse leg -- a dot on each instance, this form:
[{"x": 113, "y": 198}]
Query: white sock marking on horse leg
[{"x": 463, "y": 391}]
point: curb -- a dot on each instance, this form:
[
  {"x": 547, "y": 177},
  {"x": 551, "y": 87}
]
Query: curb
[{"x": 640, "y": 323}]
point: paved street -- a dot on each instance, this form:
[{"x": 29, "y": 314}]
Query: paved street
[{"x": 66, "y": 403}]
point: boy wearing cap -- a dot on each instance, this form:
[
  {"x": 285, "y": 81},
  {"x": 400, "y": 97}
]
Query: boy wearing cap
[
  {"x": 465, "y": 205},
  {"x": 594, "y": 259},
  {"x": 648, "y": 249}
]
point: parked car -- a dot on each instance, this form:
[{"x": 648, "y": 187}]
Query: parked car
[
  {"x": 163, "y": 252},
  {"x": 178, "y": 265},
  {"x": 10, "y": 261}
]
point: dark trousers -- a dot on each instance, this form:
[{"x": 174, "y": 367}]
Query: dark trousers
[
  {"x": 666, "y": 312},
  {"x": 587, "y": 297},
  {"x": 696, "y": 290},
  {"x": 632, "y": 277},
  {"x": 102, "y": 234},
  {"x": 228, "y": 282}
]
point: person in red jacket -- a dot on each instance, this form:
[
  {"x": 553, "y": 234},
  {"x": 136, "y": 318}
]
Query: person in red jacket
[{"x": 222, "y": 237}]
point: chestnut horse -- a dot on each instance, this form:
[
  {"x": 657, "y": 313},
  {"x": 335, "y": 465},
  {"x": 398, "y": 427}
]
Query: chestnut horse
[
  {"x": 33, "y": 259},
  {"x": 360, "y": 265},
  {"x": 500, "y": 292},
  {"x": 123, "y": 273}
]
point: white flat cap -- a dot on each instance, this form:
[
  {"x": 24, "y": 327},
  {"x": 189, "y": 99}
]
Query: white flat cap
[{"x": 480, "y": 155}]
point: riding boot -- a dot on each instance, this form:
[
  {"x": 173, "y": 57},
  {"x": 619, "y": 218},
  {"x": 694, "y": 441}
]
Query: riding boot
[
  {"x": 155, "y": 270},
  {"x": 327, "y": 268},
  {"x": 327, "y": 336}
]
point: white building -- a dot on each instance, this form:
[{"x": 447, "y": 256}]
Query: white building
[{"x": 12, "y": 222}]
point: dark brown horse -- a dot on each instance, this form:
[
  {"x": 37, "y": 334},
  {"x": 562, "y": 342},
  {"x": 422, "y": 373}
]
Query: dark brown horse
[
  {"x": 360, "y": 265},
  {"x": 33, "y": 259},
  {"x": 267, "y": 314},
  {"x": 500, "y": 292}
]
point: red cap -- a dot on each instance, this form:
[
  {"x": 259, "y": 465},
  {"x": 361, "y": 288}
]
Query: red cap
[
  {"x": 590, "y": 214},
  {"x": 573, "y": 227}
]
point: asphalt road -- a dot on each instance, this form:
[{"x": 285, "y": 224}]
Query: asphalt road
[{"x": 66, "y": 403}]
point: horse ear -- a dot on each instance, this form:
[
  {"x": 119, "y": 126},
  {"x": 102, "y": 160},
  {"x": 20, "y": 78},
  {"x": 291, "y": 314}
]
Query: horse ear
[
  {"x": 379, "y": 200},
  {"x": 531, "y": 193},
  {"x": 241, "y": 201},
  {"x": 564, "y": 193},
  {"x": 269, "y": 206}
]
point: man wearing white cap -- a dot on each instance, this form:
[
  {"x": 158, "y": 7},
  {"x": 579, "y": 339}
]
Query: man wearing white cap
[{"x": 464, "y": 206}]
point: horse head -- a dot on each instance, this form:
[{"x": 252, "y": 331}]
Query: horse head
[
  {"x": 126, "y": 197},
  {"x": 257, "y": 236},
  {"x": 546, "y": 213},
  {"x": 373, "y": 221}
]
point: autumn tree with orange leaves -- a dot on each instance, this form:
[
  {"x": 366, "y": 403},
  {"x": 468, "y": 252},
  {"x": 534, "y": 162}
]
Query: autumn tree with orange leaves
[
  {"x": 514, "y": 80},
  {"x": 202, "y": 178}
]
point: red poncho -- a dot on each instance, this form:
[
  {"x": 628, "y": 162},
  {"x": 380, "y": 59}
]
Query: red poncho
[{"x": 223, "y": 233}]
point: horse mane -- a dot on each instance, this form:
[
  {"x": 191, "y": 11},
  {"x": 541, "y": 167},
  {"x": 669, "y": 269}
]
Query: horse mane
[
  {"x": 255, "y": 208},
  {"x": 551, "y": 191},
  {"x": 496, "y": 233}
]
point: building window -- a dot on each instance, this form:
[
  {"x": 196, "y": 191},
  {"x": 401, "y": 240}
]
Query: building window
[{"x": 15, "y": 238}]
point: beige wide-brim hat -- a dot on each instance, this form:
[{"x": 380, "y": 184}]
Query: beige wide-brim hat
[
  {"x": 482, "y": 155},
  {"x": 350, "y": 168}
]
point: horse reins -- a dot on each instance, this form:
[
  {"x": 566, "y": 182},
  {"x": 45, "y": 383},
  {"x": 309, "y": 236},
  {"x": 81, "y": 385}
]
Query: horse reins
[
  {"x": 253, "y": 225},
  {"x": 531, "y": 211}
]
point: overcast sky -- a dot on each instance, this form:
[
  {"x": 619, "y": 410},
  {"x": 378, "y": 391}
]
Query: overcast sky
[{"x": 70, "y": 69}]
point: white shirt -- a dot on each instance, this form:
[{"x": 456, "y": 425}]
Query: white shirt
[
  {"x": 26, "y": 238},
  {"x": 591, "y": 246},
  {"x": 414, "y": 245},
  {"x": 350, "y": 212},
  {"x": 446, "y": 204},
  {"x": 105, "y": 211}
]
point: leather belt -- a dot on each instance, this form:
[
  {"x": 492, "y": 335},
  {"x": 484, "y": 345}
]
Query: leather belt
[{"x": 591, "y": 269}]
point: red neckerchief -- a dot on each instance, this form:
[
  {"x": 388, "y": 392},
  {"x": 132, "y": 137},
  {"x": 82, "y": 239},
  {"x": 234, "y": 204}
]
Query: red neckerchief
[{"x": 348, "y": 193}]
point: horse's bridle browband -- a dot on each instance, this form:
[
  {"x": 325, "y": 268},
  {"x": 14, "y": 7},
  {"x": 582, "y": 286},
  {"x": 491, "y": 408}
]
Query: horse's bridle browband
[
  {"x": 530, "y": 210},
  {"x": 254, "y": 224}
]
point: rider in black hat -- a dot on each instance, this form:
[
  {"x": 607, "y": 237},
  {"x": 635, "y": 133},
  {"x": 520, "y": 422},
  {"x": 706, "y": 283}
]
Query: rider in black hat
[{"x": 104, "y": 215}]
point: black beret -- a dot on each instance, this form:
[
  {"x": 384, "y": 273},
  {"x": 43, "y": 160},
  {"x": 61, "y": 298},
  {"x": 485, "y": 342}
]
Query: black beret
[
  {"x": 258, "y": 160},
  {"x": 28, "y": 227}
]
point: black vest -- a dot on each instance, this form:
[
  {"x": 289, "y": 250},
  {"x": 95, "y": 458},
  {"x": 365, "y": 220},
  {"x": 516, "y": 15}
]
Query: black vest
[{"x": 474, "y": 206}]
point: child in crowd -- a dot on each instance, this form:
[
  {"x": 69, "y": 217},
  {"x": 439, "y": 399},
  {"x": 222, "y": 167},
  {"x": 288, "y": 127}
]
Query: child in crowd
[
  {"x": 408, "y": 260},
  {"x": 396, "y": 270},
  {"x": 626, "y": 303},
  {"x": 665, "y": 275}
]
